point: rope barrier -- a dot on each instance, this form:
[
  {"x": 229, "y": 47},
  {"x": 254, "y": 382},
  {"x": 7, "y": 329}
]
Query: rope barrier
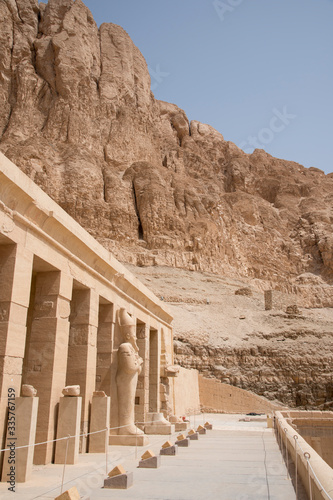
[
  {"x": 85, "y": 434},
  {"x": 307, "y": 457}
]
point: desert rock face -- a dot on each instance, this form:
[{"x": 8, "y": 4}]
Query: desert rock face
[
  {"x": 222, "y": 329},
  {"x": 77, "y": 116}
]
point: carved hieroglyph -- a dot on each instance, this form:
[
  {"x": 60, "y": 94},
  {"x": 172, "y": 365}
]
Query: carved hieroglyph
[{"x": 129, "y": 368}]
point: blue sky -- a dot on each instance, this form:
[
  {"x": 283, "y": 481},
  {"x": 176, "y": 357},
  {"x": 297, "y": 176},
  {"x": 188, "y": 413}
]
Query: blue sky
[{"x": 259, "y": 71}]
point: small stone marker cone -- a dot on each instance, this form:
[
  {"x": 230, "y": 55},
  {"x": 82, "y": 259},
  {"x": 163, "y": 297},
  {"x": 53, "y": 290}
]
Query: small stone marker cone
[
  {"x": 167, "y": 444},
  {"x": 200, "y": 428},
  {"x": 71, "y": 494},
  {"x": 119, "y": 469},
  {"x": 147, "y": 454},
  {"x": 181, "y": 437},
  {"x": 192, "y": 431}
]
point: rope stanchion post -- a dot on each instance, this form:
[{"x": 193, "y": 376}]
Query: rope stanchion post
[
  {"x": 307, "y": 457},
  {"x": 280, "y": 441},
  {"x": 312, "y": 480},
  {"x": 64, "y": 469},
  {"x": 287, "y": 455}
]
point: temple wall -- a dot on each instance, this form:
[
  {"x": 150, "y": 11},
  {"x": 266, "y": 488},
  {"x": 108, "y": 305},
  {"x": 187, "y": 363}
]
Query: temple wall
[
  {"x": 318, "y": 483},
  {"x": 218, "y": 397},
  {"x": 316, "y": 428},
  {"x": 186, "y": 392},
  {"x": 60, "y": 291}
]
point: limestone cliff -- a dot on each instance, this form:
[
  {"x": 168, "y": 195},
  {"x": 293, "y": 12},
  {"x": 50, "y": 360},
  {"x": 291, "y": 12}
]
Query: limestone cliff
[{"x": 78, "y": 116}]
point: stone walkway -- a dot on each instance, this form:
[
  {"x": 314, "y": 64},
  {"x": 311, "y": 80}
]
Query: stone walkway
[{"x": 235, "y": 461}]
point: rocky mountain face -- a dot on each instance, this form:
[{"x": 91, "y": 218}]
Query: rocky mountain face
[
  {"x": 222, "y": 329},
  {"x": 77, "y": 116}
]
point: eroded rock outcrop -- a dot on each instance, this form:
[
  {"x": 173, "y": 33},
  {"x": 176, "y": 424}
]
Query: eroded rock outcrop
[
  {"x": 78, "y": 116},
  {"x": 286, "y": 369}
]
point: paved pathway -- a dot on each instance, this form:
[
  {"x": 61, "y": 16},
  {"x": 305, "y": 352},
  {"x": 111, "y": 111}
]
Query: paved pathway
[{"x": 235, "y": 461}]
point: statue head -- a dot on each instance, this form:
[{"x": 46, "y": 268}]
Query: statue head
[{"x": 128, "y": 328}]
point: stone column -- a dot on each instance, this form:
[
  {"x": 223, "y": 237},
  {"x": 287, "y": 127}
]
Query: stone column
[
  {"x": 82, "y": 351},
  {"x": 46, "y": 359},
  {"x": 105, "y": 339},
  {"x": 154, "y": 371},
  {"x": 15, "y": 284},
  {"x": 142, "y": 391}
]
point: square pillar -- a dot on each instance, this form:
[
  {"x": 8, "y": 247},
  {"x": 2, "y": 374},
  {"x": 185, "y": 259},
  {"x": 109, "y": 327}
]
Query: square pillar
[
  {"x": 82, "y": 350},
  {"x": 68, "y": 425},
  {"x": 105, "y": 338},
  {"x": 100, "y": 419},
  {"x": 142, "y": 390},
  {"x": 46, "y": 355},
  {"x": 154, "y": 370},
  {"x": 15, "y": 284}
]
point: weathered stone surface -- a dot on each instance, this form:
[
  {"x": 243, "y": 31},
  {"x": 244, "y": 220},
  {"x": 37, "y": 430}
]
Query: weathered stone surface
[
  {"x": 99, "y": 394},
  {"x": 71, "y": 390},
  {"x": 282, "y": 357},
  {"x": 153, "y": 462},
  {"x": 119, "y": 482},
  {"x": 170, "y": 450},
  {"x": 28, "y": 391},
  {"x": 167, "y": 444},
  {"x": 71, "y": 494},
  {"x": 147, "y": 454},
  {"x": 183, "y": 443},
  {"x": 77, "y": 115},
  {"x": 116, "y": 471}
]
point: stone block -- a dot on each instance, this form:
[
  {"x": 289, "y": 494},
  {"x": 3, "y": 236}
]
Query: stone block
[
  {"x": 194, "y": 436},
  {"x": 28, "y": 391},
  {"x": 71, "y": 390},
  {"x": 99, "y": 420},
  {"x": 160, "y": 429},
  {"x": 171, "y": 450},
  {"x": 139, "y": 440},
  {"x": 71, "y": 494},
  {"x": 150, "y": 463},
  {"x": 12, "y": 339},
  {"x": 148, "y": 454},
  {"x": 201, "y": 430},
  {"x": 158, "y": 424},
  {"x": 69, "y": 418},
  {"x": 119, "y": 482},
  {"x": 184, "y": 443},
  {"x": 167, "y": 444},
  {"x": 25, "y": 431},
  {"x": 116, "y": 471},
  {"x": 208, "y": 426},
  {"x": 181, "y": 426}
]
